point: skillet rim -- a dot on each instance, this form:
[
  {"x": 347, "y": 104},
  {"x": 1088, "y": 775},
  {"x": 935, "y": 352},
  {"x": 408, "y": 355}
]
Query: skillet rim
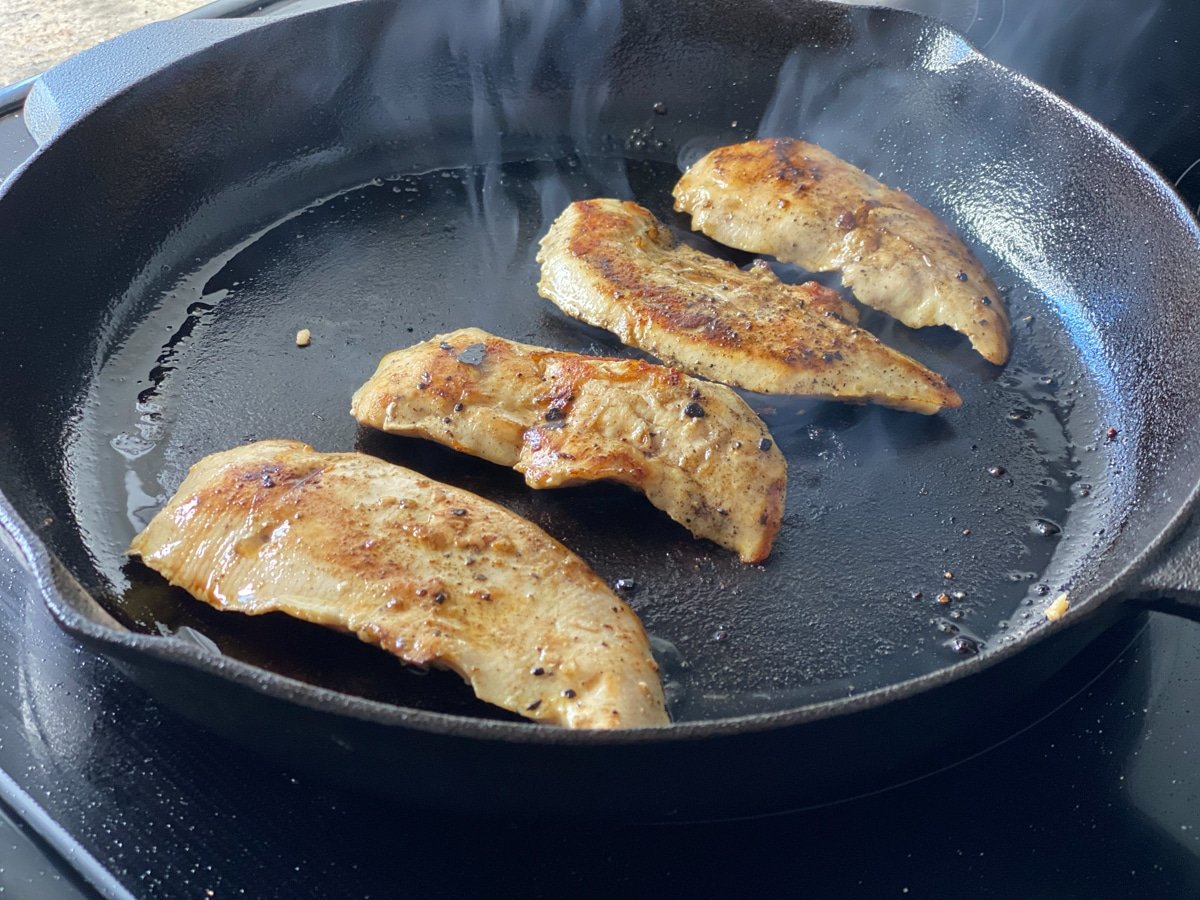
[{"x": 117, "y": 642}]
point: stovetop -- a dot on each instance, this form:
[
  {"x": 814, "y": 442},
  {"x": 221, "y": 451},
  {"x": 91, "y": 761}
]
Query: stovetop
[{"x": 1096, "y": 794}]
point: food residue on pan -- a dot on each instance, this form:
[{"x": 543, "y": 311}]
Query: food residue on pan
[
  {"x": 1058, "y": 608},
  {"x": 303, "y": 337}
]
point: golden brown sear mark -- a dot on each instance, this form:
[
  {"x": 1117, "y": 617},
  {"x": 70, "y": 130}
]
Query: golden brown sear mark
[
  {"x": 801, "y": 204},
  {"x": 611, "y": 264}
]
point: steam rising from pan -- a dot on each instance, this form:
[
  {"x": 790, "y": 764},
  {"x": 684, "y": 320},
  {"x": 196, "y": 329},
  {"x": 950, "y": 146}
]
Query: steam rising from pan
[
  {"x": 510, "y": 52},
  {"x": 1052, "y": 43}
]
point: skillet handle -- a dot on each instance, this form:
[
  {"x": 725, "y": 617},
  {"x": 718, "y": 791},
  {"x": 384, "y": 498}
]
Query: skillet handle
[
  {"x": 66, "y": 93},
  {"x": 1170, "y": 581}
]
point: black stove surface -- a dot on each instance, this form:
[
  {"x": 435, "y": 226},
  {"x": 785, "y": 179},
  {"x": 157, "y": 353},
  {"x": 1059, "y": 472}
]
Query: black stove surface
[{"x": 1095, "y": 795}]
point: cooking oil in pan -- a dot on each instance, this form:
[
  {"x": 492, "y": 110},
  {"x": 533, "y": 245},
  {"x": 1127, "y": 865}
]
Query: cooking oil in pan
[{"x": 909, "y": 542}]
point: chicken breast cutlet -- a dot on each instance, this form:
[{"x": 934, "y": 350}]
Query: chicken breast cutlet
[
  {"x": 611, "y": 264},
  {"x": 695, "y": 449},
  {"x": 801, "y": 204},
  {"x": 430, "y": 573}
]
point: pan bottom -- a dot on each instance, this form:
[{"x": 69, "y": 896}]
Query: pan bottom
[{"x": 909, "y": 542}]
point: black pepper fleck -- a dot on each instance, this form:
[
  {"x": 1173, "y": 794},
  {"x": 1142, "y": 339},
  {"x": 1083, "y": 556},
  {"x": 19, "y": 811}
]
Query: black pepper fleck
[
  {"x": 764, "y": 445},
  {"x": 962, "y": 276},
  {"x": 568, "y": 693},
  {"x": 694, "y": 410},
  {"x": 986, "y": 301},
  {"x": 1111, "y": 434},
  {"x": 996, "y": 471},
  {"x": 458, "y": 407},
  {"x": 444, "y": 346},
  {"x": 537, "y": 671},
  {"x": 439, "y": 597},
  {"x": 458, "y": 512},
  {"x": 626, "y": 584},
  {"x": 534, "y": 705},
  {"x": 553, "y": 414}
]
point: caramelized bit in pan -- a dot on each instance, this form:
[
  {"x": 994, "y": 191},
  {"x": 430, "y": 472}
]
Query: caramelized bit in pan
[
  {"x": 695, "y": 449},
  {"x": 801, "y": 204},
  {"x": 433, "y": 574},
  {"x": 1058, "y": 608},
  {"x": 613, "y": 265}
]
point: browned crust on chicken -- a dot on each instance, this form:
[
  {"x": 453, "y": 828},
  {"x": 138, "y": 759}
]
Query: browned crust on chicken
[
  {"x": 801, "y": 204},
  {"x": 430, "y": 573},
  {"x": 695, "y": 449},
  {"x": 612, "y": 264}
]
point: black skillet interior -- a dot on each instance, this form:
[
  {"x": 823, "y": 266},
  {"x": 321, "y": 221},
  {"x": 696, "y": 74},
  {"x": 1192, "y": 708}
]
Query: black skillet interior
[{"x": 379, "y": 174}]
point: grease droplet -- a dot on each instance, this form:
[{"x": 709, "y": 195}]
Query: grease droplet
[
  {"x": 1045, "y": 527},
  {"x": 964, "y": 646}
]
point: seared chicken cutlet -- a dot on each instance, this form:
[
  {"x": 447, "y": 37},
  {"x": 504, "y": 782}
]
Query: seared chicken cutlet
[
  {"x": 695, "y": 449},
  {"x": 613, "y": 265},
  {"x": 428, "y": 572},
  {"x": 803, "y": 205}
]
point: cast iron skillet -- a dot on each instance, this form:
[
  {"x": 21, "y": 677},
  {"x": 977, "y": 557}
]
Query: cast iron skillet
[{"x": 380, "y": 172}]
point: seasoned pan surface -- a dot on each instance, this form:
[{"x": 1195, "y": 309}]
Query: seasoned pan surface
[{"x": 381, "y": 194}]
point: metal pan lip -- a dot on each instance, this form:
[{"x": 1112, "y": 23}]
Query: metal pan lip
[{"x": 42, "y": 566}]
